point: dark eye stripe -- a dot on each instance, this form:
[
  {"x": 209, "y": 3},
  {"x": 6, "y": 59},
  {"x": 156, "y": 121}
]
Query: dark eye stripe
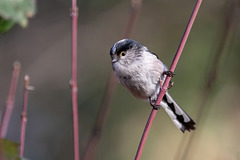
[{"x": 124, "y": 47}]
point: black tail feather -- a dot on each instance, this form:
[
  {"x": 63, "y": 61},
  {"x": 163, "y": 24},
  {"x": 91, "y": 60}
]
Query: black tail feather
[{"x": 181, "y": 116}]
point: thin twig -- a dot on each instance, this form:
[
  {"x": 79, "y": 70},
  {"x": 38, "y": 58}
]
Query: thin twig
[
  {"x": 74, "y": 14},
  {"x": 10, "y": 101},
  {"x": 166, "y": 82},
  {"x": 24, "y": 114},
  {"x": 145, "y": 134},
  {"x": 103, "y": 113},
  {"x": 211, "y": 78},
  {"x": 134, "y": 12}
]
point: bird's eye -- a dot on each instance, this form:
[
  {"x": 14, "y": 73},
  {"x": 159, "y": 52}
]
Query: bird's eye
[{"x": 122, "y": 53}]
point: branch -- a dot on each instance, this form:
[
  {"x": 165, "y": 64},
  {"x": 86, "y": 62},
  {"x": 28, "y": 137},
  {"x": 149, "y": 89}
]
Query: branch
[
  {"x": 74, "y": 14},
  {"x": 166, "y": 82},
  {"x": 134, "y": 12},
  {"x": 103, "y": 113},
  {"x": 10, "y": 101},
  {"x": 24, "y": 114},
  {"x": 211, "y": 78}
]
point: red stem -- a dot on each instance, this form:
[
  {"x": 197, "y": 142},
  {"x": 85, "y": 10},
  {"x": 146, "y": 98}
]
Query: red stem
[
  {"x": 74, "y": 14},
  {"x": 166, "y": 82},
  {"x": 179, "y": 50},
  {"x": 145, "y": 133},
  {"x": 134, "y": 12},
  {"x": 228, "y": 33},
  {"x": 24, "y": 116},
  {"x": 10, "y": 101}
]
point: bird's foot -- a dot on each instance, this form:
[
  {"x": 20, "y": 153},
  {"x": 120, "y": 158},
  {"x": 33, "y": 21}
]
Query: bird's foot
[
  {"x": 153, "y": 104},
  {"x": 170, "y": 84},
  {"x": 169, "y": 73}
]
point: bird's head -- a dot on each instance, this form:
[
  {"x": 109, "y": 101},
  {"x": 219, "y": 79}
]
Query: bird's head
[{"x": 126, "y": 51}]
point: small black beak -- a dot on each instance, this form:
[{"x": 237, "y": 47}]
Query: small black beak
[
  {"x": 114, "y": 60},
  {"x": 113, "y": 56}
]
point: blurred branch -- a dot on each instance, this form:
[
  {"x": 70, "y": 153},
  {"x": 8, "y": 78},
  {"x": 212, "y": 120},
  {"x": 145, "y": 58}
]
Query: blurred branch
[
  {"x": 24, "y": 114},
  {"x": 10, "y": 101},
  {"x": 211, "y": 78},
  {"x": 74, "y": 14},
  {"x": 134, "y": 12},
  {"x": 167, "y": 80},
  {"x": 103, "y": 113}
]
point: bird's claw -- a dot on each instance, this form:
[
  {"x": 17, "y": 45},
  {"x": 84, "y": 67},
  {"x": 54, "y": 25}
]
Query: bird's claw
[
  {"x": 170, "y": 85},
  {"x": 153, "y": 104},
  {"x": 169, "y": 73}
]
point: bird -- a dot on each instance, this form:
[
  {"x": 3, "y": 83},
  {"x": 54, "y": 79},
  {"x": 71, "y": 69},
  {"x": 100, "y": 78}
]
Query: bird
[{"x": 142, "y": 73}]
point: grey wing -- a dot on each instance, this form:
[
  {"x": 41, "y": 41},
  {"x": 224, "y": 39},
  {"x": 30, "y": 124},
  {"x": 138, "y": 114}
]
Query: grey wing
[{"x": 156, "y": 76}]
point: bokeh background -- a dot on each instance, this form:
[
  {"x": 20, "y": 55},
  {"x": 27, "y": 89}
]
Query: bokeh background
[{"x": 44, "y": 51}]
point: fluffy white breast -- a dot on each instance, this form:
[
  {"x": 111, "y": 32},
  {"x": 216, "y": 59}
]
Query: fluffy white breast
[{"x": 142, "y": 76}]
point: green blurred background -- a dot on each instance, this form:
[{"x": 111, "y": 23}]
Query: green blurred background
[{"x": 44, "y": 51}]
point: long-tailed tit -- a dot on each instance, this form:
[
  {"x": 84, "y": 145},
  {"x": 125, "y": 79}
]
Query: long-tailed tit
[{"x": 142, "y": 73}]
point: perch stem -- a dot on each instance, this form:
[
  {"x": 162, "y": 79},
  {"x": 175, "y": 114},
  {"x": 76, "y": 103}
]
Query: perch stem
[
  {"x": 74, "y": 14},
  {"x": 24, "y": 115},
  {"x": 166, "y": 82}
]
